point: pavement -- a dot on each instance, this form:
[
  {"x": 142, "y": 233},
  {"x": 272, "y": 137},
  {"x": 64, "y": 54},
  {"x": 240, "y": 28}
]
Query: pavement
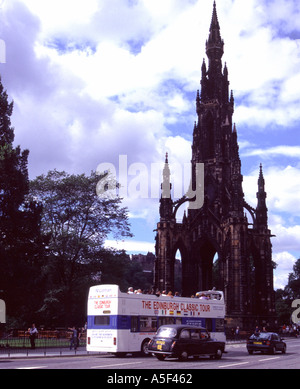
[
  {"x": 43, "y": 353},
  {"x": 56, "y": 352}
]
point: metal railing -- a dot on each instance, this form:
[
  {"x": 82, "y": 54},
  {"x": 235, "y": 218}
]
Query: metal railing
[{"x": 47, "y": 342}]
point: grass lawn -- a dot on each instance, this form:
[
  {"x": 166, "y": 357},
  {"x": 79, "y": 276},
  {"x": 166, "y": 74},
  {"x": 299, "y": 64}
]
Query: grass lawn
[{"x": 39, "y": 343}]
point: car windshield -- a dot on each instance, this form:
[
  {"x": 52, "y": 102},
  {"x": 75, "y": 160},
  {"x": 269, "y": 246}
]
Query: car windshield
[
  {"x": 166, "y": 332},
  {"x": 260, "y": 336}
]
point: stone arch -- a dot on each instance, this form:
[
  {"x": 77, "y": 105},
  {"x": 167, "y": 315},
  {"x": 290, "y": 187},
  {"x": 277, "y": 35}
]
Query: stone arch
[
  {"x": 204, "y": 251},
  {"x": 181, "y": 247}
]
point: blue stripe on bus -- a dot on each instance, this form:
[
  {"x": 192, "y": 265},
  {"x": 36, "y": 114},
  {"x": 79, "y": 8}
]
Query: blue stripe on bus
[
  {"x": 122, "y": 322},
  {"x": 190, "y": 321},
  {"x": 115, "y": 322}
]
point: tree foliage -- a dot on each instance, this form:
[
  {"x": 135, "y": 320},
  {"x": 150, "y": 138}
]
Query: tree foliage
[
  {"x": 77, "y": 222},
  {"x": 293, "y": 286},
  {"x": 20, "y": 240},
  {"x": 52, "y": 234},
  {"x": 285, "y": 297}
]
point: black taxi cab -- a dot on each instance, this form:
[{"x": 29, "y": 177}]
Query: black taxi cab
[{"x": 180, "y": 341}]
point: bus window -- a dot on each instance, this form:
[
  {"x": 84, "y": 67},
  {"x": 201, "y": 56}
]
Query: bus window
[
  {"x": 134, "y": 324},
  {"x": 148, "y": 324},
  {"x": 162, "y": 321},
  {"x": 208, "y": 325},
  {"x": 101, "y": 320}
]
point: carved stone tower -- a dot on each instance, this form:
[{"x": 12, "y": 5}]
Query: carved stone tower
[{"x": 219, "y": 247}]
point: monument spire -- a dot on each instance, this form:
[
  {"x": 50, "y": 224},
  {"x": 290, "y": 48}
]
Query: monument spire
[{"x": 215, "y": 43}]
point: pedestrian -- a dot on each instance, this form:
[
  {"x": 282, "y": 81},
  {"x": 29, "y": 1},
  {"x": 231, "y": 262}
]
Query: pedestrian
[
  {"x": 237, "y": 333},
  {"x": 284, "y": 329},
  {"x": 74, "y": 338},
  {"x": 33, "y": 332},
  {"x": 257, "y": 331}
]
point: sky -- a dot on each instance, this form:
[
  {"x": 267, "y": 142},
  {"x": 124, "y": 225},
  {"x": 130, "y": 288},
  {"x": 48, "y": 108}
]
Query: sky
[{"x": 98, "y": 82}]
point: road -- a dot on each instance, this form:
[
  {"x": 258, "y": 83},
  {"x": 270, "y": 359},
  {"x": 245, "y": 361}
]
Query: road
[{"x": 235, "y": 358}]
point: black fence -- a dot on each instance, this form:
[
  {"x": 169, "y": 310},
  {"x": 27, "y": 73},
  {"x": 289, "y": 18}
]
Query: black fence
[{"x": 46, "y": 342}]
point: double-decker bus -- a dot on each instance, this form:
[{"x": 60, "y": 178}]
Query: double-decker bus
[{"x": 122, "y": 323}]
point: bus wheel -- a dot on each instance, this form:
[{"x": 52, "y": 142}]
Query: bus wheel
[{"x": 144, "y": 348}]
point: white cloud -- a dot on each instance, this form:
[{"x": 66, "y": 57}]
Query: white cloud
[
  {"x": 282, "y": 186},
  {"x": 286, "y": 237},
  {"x": 131, "y": 246},
  {"x": 261, "y": 116},
  {"x": 263, "y": 63},
  {"x": 285, "y": 262},
  {"x": 98, "y": 79},
  {"x": 289, "y": 151},
  {"x": 280, "y": 11},
  {"x": 58, "y": 15},
  {"x": 172, "y": 43},
  {"x": 179, "y": 150}
]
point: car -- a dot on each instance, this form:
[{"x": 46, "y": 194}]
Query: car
[
  {"x": 266, "y": 342},
  {"x": 182, "y": 341}
]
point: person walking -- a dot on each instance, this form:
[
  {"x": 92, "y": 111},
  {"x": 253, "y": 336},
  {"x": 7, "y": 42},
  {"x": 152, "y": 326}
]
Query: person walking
[
  {"x": 237, "y": 333},
  {"x": 74, "y": 338},
  {"x": 33, "y": 332}
]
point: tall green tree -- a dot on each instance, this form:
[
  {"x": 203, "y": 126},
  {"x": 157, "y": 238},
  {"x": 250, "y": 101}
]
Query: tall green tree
[
  {"x": 291, "y": 292},
  {"x": 293, "y": 286},
  {"x": 13, "y": 166},
  {"x": 283, "y": 306},
  {"x": 19, "y": 222},
  {"x": 78, "y": 222}
]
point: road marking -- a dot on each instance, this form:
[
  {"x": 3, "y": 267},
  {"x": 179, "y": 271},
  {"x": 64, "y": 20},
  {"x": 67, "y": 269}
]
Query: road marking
[
  {"x": 31, "y": 367},
  {"x": 268, "y": 359},
  {"x": 235, "y": 345},
  {"x": 118, "y": 364},
  {"x": 234, "y": 364}
]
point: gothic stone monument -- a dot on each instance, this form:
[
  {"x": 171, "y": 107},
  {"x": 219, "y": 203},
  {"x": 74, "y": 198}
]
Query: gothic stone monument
[{"x": 220, "y": 228}]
